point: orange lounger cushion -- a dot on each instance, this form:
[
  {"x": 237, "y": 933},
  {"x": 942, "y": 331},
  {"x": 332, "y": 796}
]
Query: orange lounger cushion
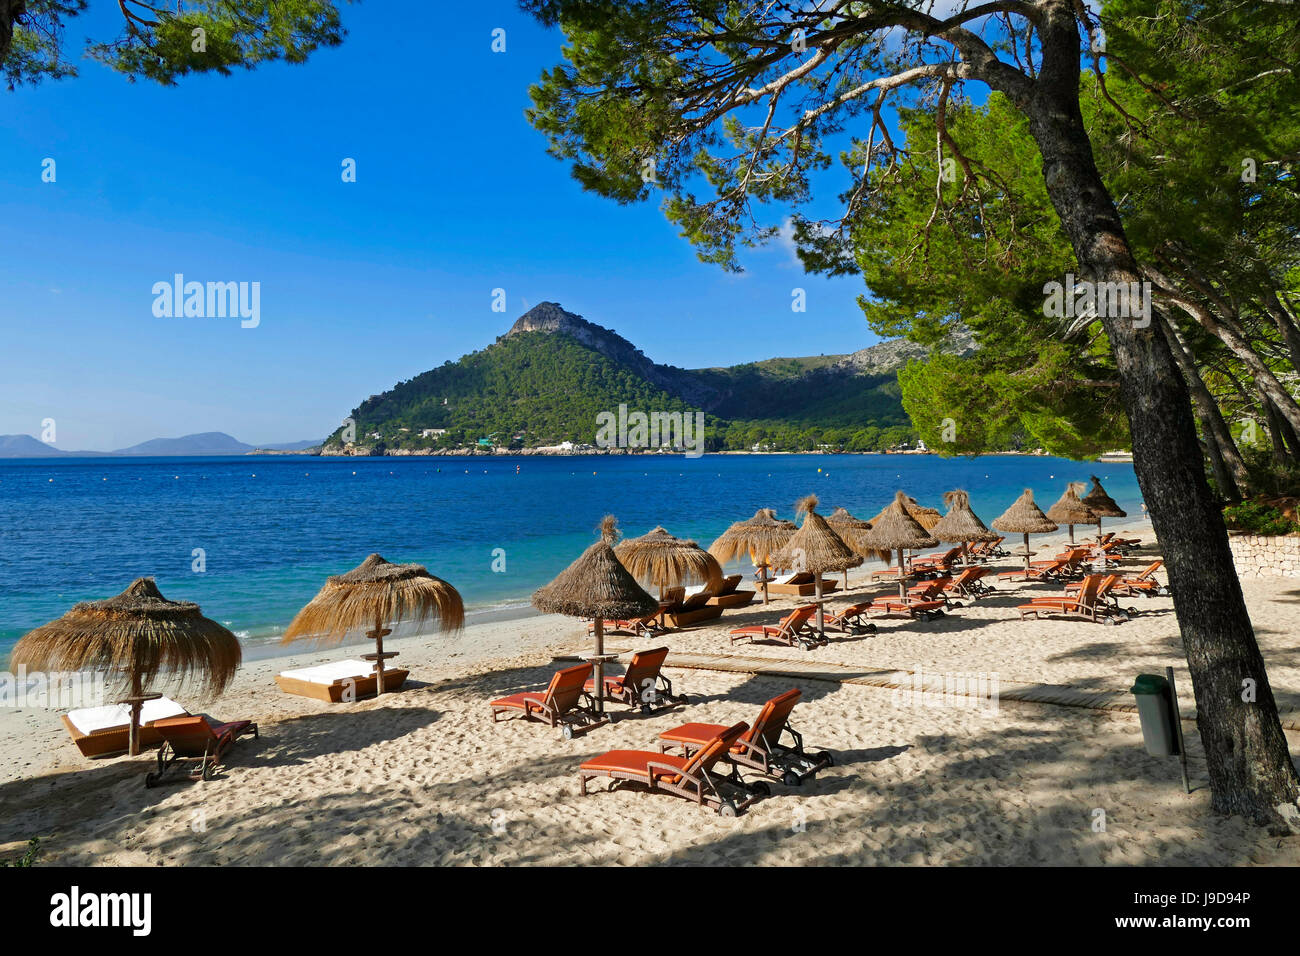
[
  {"x": 635, "y": 763},
  {"x": 698, "y": 734},
  {"x": 521, "y": 701}
]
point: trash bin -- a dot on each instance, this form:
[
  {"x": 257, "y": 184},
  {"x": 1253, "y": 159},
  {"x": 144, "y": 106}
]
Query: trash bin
[{"x": 1156, "y": 711}]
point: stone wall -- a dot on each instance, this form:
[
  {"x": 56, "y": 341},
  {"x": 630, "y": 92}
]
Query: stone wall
[{"x": 1257, "y": 556}]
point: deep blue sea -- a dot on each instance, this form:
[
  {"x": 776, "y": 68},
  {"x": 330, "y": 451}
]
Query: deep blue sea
[{"x": 272, "y": 528}]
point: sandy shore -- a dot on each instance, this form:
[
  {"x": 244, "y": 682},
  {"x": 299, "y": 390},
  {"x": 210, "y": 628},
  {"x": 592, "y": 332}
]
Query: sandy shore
[{"x": 424, "y": 777}]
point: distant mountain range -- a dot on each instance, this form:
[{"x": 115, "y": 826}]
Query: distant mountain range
[
  {"x": 546, "y": 380},
  {"x": 203, "y": 443}
]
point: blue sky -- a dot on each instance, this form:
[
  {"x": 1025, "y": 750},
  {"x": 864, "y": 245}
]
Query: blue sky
[{"x": 362, "y": 284}]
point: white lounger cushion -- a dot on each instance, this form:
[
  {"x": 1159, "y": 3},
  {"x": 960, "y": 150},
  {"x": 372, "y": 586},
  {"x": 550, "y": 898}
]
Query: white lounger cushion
[
  {"x": 787, "y": 579},
  {"x": 112, "y": 716},
  {"x": 691, "y": 592},
  {"x": 332, "y": 673}
]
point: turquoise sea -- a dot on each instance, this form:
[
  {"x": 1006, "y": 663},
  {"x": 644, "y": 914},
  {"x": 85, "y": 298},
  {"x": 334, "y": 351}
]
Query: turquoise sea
[{"x": 272, "y": 528}]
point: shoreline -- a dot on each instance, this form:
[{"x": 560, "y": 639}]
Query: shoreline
[
  {"x": 84, "y": 455},
  {"x": 424, "y": 776}
]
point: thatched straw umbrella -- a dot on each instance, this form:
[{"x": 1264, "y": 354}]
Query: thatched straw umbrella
[
  {"x": 1070, "y": 510},
  {"x": 1101, "y": 504},
  {"x": 133, "y": 639},
  {"x": 961, "y": 525},
  {"x": 896, "y": 529},
  {"x": 1024, "y": 517},
  {"x": 599, "y": 587},
  {"x": 660, "y": 559},
  {"x": 373, "y": 594},
  {"x": 757, "y": 537},
  {"x": 815, "y": 547},
  {"x": 851, "y": 529},
  {"x": 927, "y": 518}
]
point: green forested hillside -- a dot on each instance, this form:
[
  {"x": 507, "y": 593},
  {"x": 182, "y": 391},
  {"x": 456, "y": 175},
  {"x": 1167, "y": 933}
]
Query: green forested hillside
[
  {"x": 547, "y": 388},
  {"x": 541, "y": 388}
]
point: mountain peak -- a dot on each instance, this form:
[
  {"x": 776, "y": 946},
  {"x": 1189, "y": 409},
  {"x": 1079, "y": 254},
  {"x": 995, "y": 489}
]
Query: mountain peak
[{"x": 550, "y": 317}]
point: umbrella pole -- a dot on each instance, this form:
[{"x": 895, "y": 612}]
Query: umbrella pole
[
  {"x": 379, "y": 656},
  {"x": 762, "y": 577},
  {"x": 1071, "y": 534},
  {"x": 133, "y": 739},
  {"x": 846, "y": 579},
  {"x": 1026, "y": 550},
  {"x": 600, "y": 665},
  {"x": 821, "y": 619},
  {"x": 902, "y": 593}
]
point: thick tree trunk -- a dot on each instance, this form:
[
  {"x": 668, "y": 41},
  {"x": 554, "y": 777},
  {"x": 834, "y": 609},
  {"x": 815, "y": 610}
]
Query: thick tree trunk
[{"x": 1246, "y": 753}]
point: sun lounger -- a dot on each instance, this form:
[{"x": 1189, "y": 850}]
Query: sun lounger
[
  {"x": 793, "y": 629},
  {"x": 987, "y": 550},
  {"x": 641, "y": 685},
  {"x": 636, "y": 626},
  {"x": 1089, "y": 603},
  {"x": 691, "y": 777},
  {"x": 935, "y": 563},
  {"x": 949, "y": 589},
  {"x": 759, "y": 747},
  {"x": 849, "y": 618},
  {"x": 921, "y": 608},
  {"x": 692, "y": 608},
  {"x": 800, "y": 584},
  {"x": 559, "y": 705},
  {"x": 968, "y": 583},
  {"x": 728, "y": 594},
  {"x": 1144, "y": 583},
  {"x": 98, "y": 731},
  {"x": 339, "y": 681},
  {"x": 884, "y": 574},
  {"x": 924, "y": 601},
  {"x": 1052, "y": 569},
  {"x": 187, "y": 739}
]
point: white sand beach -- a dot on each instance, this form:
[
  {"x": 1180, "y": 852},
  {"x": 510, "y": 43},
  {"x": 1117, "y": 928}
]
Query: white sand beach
[{"x": 423, "y": 776}]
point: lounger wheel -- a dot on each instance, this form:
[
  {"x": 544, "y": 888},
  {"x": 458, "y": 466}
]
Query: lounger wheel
[
  {"x": 791, "y": 779},
  {"x": 152, "y": 779},
  {"x": 209, "y": 771},
  {"x": 1132, "y": 612},
  {"x": 566, "y": 732},
  {"x": 825, "y": 758},
  {"x": 646, "y": 708},
  {"x": 761, "y": 789},
  {"x": 955, "y": 604},
  {"x": 683, "y": 699},
  {"x": 727, "y": 809}
]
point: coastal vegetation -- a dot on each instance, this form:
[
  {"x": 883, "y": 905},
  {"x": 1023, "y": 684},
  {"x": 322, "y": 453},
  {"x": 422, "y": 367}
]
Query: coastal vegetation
[
  {"x": 739, "y": 109},
  {"x": 27, "y": 858},
  {"x": 164, "y": 42}
]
